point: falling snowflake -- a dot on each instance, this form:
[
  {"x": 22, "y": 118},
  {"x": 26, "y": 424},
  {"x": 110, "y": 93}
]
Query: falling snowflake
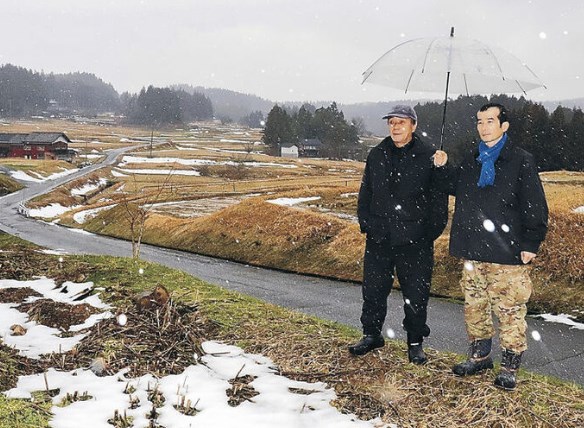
[{"x": 489, "y": 225}]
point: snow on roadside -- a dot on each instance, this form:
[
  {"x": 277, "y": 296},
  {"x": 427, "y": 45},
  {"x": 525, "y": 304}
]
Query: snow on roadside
[
  {"x": 53, "y": 252},
  {"x": 82, "y": 216},
  {"x": 288, "y": 202},
  {"x": 21, "y": 175},
  {"x": 562, "y": 319},
  {"x": 50, "y": 211}
]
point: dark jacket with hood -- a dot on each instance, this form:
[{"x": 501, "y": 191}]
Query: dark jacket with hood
[
  {"x": 495, "y": 223},
  {"x": 397, "y": 199}
]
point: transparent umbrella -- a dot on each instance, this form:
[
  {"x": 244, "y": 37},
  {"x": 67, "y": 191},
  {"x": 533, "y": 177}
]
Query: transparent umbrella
[{"x": 451, "y": 64}]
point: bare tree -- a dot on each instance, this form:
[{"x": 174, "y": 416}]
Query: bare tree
[{"x": 137, "y": 209}]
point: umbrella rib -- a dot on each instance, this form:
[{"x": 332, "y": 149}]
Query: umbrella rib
[
  {"x": 465, "y": 84},
  {"x": 426, "y": 56},
  {"x": 409, "y": 80},
  {"x": 366, "y": 75},
  {"x": 496, "y": 60},
  {"x": 534, "y": 75},
  {"x": 520, "y": 87}
]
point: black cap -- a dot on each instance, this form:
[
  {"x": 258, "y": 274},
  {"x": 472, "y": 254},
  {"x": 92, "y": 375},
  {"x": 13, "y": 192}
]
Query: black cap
[{"x": 403, "y": 111}]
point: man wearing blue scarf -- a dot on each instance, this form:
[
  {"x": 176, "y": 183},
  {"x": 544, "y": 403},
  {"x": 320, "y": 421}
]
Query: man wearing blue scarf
[{"x": 499, "y": 222}]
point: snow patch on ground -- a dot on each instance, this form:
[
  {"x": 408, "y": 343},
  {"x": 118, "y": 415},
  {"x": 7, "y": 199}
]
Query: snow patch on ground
[
  {"x": 118, "y": 174},
  {"x": 199, "y": 389},
  {"x": 21, "y": 175},
  {"x": 53, "y": 252},
  {"x": 82, "y": 216},
  {"x": 40, "y": 339},
  {"x": 138, "y": 159},
  {"x": 288, "y": 202},
  {"x": 89, "y": 187},
  {"x": 161, "y": 171},
  {"x": 562, "y": 319},
  {"x": 202, "y": 387},
  {"x": 50, "y": 211}
]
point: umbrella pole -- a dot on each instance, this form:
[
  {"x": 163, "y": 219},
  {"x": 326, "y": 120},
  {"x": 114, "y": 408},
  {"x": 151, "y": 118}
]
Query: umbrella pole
[{"x": 444, "y": 111}]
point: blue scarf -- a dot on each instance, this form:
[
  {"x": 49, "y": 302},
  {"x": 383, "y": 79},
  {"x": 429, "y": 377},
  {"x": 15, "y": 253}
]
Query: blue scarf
[{"x": 487, "y": 157}]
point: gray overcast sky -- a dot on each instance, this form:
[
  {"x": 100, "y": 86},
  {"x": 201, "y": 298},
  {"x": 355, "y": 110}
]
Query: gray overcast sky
[{"x": 282, "y": 50}]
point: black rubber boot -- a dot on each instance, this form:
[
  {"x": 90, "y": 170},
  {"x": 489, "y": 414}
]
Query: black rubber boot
[
  {"x": 479, "y": 359},
  {"x": 507, "y": 377},
  {"x": 416, "y": 354},
  {"x": 366, "y": 344}
]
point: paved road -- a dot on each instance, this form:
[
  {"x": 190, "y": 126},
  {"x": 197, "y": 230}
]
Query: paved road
[{"x": 560, "y": 352}]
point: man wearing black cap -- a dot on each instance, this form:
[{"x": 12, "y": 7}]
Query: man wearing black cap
[{"x": 402, "y": 214}]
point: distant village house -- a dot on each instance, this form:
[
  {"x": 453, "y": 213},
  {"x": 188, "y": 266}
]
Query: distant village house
[
  {"x": 305, "y": 148},
  {"x": 289, "y": 150},
  {"x": 36, "y": 145},
  {"x": 310, "y": 148}
]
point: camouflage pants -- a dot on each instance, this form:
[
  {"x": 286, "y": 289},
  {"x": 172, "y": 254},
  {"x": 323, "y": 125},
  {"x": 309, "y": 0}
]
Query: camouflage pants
[{"x": 503, "y": 289}]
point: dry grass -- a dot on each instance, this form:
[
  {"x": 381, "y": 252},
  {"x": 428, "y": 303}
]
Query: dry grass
[
  {"x": 8, "y": 185},
  {"x": 42, "y": 167}
]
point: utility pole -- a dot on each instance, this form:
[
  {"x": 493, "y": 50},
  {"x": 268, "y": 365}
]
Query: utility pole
[{"x": 151, "y": 138}]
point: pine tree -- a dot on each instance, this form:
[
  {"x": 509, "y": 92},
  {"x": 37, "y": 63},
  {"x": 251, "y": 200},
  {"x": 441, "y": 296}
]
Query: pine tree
[{"x": 278, "y": 130}]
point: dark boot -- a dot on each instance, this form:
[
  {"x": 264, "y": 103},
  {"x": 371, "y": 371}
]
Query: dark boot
[
  {"x": 416, "y": 354},
  {"x": 479, "y": 359},
  {"x": 510, "y": 362},
  {"x": 366, "y": 344}
]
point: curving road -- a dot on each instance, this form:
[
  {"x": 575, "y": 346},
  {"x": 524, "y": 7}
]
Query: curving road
[{"x": 560, "y": 352}]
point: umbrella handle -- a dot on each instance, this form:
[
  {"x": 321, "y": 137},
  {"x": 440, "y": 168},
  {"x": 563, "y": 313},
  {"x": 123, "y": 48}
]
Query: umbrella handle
[
  {"x": 444, "y": 111},
  {"x": 445, "y": 101}
]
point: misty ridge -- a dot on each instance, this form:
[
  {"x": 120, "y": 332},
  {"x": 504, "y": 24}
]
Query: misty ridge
[{"x": 25, "y": 93}]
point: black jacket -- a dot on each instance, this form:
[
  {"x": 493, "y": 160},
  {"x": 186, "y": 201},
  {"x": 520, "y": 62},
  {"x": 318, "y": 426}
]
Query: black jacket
[
  {"x": 398, "y": 200},
  {"x": 495, "y": 223}
]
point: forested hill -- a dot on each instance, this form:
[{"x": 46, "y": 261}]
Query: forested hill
[
  {"x": 230, "y": 104},
  {"x": 26, "y": 92}
]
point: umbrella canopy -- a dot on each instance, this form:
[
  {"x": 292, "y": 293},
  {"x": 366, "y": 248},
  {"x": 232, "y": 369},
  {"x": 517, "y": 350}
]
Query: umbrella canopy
[
  {"x": 475, "y": 68},
  {"x": 459, "y": 65}
]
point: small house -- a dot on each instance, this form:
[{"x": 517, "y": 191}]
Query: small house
[
  {"x": 36, "y": 145},
  {"x": 289, "y": 150},
  {"x": 310, "y": 148}
]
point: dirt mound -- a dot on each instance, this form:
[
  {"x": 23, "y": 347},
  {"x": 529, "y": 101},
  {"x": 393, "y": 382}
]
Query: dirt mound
[
  {"x": 159, "y": 341},
  {"x": 57, "y": 314},
  {"x": 17, "y": 294}
]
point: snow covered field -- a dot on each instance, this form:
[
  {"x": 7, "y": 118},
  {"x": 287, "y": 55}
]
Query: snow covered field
[
  {"x": 196, "y": 397},
  {"x": 21, "y": 175}
]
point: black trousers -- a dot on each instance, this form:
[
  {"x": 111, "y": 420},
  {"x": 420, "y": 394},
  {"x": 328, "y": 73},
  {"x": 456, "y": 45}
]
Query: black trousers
[{"x": 413, "y": 265}]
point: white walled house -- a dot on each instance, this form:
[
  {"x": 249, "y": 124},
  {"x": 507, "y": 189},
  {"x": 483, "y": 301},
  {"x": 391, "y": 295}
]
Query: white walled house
[{"x": 289, "y": 151}]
